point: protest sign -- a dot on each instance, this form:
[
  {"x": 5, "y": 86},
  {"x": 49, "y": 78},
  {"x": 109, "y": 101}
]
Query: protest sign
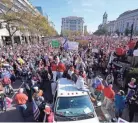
[
  {"x": 120, "y": 120},
  {"x": 95, "y": 50},
  {"x": 55, "y": 44},
  {"x": 73, "y": 45}
]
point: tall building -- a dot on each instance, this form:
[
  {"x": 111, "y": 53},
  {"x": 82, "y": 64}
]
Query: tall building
[
  {"x": 72, "y": 23},
  {"x": 39, "y": 8},
  {"x": 105, "y": 19},
  {"x": 85, "y": 29},
  {"x": 18, "y": 6},
  {"x": 125, "y": 21},
  {"x": 105, "y": 16}
]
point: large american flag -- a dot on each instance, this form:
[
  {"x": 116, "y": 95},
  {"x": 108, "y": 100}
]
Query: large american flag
[
  {"x": 36, "y": 111},
  {"x": 65, "y": 44}
]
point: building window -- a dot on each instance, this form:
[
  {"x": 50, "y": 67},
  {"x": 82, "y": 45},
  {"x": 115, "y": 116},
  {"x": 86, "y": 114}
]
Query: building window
[
  {"x": 0, "y": 25},
  {"x": 127, "y": 24}
]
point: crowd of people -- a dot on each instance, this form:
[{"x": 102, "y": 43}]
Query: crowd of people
[{"x": 39, "y": 65}]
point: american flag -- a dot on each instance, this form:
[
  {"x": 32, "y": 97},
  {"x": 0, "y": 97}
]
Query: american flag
[
  {"x": 36, "y": 111},
  {"x": 65, "y": 44}
]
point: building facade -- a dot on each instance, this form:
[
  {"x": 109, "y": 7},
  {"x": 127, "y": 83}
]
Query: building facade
[
  {"x": 85, "y": 28},
  {"x": 72, "y": 23},
  {"x": 19, "y": 37},
  {"x": 104, "y": 23},
  {"x": 105, "y": 17},
  {"x": 111, "y": 26},
  {"x": 39, "y": 8},
  {"x": 122, "y": 23},
  {"x": 126, "y": 19}
]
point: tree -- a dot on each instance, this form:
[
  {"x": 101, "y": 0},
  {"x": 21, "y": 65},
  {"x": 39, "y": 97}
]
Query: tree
[
  {"x": 101, "y": 32},
  {"x": 13, "y": 19},
  {"x": 35, "y": 24},
  {"x": 136, "y": 33},
  {"x": 117, "y": 32}
]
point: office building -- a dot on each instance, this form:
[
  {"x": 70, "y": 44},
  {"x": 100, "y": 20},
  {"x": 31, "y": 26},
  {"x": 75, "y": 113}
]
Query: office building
[
  {"x": 126, "y": 19},
  {"x": 105, "y": 18},
  {"x": 39, "y": 8},
  {"x": 122, "y": 23},
  {"x": 72, "y": 23},
  {"x": 18, "y": 6}
]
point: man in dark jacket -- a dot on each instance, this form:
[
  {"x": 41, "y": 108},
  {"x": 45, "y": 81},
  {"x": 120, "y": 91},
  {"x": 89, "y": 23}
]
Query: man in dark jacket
[
  {"x": 90, "y": 76},
  {"x": 75, "y": 75},
  {"x": 133, "y": 106}
]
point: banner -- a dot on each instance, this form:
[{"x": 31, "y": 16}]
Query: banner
[
  {"x": 73, "y": 45},
  {"x": 95, "y": 50}
]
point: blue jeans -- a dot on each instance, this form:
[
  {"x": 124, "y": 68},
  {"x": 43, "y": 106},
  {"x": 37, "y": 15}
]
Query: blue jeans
[
  {"x": 22, "y": 109},
  {"x": 60, "y": 74},
  {"x": 3, "y": 104},
  {"x": 118, "y": 112}
]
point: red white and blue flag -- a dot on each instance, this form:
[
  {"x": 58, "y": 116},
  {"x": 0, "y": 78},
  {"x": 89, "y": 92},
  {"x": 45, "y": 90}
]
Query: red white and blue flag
[{"x": 36, "y": 111}]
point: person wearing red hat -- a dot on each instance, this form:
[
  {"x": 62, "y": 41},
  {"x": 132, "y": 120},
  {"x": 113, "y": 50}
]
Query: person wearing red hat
[
  {"x": 120, "y": 51},
  {"x": 54, "y": 70},
  {"x": 131, "y": 44},
  {"x": 61, "y": 69},
  {"x": 109, "y": 96},
  {"x": 49, "y": 114},
  {"x": 80, "y": 84}
]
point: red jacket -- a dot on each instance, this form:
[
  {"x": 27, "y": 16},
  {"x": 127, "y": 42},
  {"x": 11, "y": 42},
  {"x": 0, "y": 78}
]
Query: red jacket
[
  {"x": 61, "y": 67},
  {"x": 100, "y": 87},
  {"x": 109, "y": 92},
  {"x": 120, "y": 51},
  {"x": 54, "y": 67}
]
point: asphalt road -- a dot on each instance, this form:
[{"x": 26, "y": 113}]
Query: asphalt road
[{"x": 13, "y": 115}]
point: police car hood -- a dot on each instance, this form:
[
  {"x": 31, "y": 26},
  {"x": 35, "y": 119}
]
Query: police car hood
[{"x": 92, "y": 120}]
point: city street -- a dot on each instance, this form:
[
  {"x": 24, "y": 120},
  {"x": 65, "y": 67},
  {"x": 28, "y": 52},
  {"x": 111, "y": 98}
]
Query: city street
[
  {"x": 90, "y": 42},
  {"x": 12, "y": 114}
]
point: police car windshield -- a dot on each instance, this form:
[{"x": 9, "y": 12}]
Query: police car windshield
[{"x": 74, "y": 106}]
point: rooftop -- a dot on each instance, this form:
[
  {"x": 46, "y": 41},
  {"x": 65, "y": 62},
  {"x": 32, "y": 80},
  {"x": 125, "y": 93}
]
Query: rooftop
[
  {"x": 68, "y": 88},
  {"x": 75, "y": 17},
  {"x": 128, "y": 12}
]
